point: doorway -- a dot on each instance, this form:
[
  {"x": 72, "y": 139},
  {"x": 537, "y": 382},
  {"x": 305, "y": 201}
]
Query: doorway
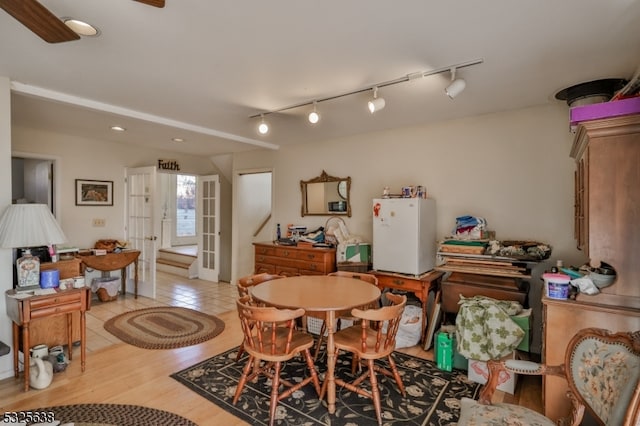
[
  {"x": 253, "y": 213},
  {"x": 32, "y": 180}
]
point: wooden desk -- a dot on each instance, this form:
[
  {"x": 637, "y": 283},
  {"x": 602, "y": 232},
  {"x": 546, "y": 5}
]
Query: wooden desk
[
  {"x": 33, "y": 308},
  {"x": 319, "y": 293},
  {"x": 114, "y": 261},
  {"x": 418, "y": 285}
]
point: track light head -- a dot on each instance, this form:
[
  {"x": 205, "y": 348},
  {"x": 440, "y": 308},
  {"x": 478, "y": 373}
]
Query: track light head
[
  {"x": 376, "y": 104},
  {"x": 314, "y": 117},
  {"x": 456, "y": 87},
  {"x": 263, "y": 128}
]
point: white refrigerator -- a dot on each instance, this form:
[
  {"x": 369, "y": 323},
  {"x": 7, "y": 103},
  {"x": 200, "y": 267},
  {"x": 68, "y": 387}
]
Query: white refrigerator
[{"x": 404, "y": 235}]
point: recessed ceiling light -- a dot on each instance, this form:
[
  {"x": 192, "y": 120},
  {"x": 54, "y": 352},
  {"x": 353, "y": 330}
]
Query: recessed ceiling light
[
  {"x": 118, "y": 128},
  {"x": 81, "y": 27},
  {"x": 177, "y": 139}
]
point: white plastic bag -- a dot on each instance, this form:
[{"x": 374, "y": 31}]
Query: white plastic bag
[{"x": 410, "y": 328}]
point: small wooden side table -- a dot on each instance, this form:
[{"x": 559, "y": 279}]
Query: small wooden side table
[
  {"x": 419, "y": 285},
  {"x": 23, "y": 311},
  {"x": 113, "y": 261}
]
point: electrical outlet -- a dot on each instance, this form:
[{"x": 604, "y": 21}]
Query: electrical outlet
[{"x": 98, "y": 222}]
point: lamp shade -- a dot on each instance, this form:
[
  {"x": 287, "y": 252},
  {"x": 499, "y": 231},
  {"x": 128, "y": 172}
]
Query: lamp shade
[{"x": 29, "y": 225}]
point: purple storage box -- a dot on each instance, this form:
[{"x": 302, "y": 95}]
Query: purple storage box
[{"x": 605, "y": 110}]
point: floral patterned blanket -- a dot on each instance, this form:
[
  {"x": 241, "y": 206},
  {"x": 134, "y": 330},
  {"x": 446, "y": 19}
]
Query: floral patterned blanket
[{"x": 484, "y": 329}]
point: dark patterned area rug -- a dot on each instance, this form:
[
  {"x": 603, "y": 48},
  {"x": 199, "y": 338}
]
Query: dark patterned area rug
[
  {"x": 100, "y": 415},
  {"x": 432, "y": 396},
  {"x": 164, "y": 327}
]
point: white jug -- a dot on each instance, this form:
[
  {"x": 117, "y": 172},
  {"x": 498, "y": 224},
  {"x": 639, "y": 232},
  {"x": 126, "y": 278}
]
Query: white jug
[{"x": 40, "y": 373}]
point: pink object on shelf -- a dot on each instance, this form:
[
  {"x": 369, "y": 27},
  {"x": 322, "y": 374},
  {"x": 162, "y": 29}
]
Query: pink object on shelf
[{"x": 605, "y": 110}]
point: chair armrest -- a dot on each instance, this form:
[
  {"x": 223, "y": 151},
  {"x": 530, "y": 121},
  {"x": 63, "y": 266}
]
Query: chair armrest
[{"x": 514, "y": 366}]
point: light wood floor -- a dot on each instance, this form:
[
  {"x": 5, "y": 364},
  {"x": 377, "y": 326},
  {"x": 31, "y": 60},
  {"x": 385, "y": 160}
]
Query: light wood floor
[{"x": 119, "y": 373}]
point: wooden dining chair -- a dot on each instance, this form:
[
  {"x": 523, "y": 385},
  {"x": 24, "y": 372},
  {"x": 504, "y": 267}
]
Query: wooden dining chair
[
  {"x": 270, "y": 338},
  {"x": 372, "y": 338},
  {"x": 243, "y": 286},
  {"x": 370, "y": 278},
  {"x": 246, "y": 282}
]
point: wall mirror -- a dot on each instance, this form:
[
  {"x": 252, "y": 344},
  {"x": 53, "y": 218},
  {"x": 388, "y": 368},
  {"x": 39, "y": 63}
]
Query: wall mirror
[{"x": 326, "y": 195}]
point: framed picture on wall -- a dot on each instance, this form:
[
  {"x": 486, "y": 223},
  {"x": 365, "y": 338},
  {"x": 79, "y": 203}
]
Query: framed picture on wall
[{"x": 94, "y": 192}]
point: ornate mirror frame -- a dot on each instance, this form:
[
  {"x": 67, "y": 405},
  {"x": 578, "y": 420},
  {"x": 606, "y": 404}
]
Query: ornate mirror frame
[{"x": 321, "y": 191}]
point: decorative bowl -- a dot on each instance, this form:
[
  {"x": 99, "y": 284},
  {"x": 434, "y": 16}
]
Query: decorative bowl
[{"x": 602, "y": 280}]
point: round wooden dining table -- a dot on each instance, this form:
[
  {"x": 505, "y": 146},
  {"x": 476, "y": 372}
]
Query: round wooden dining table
[{"x": 317, "y": 294}]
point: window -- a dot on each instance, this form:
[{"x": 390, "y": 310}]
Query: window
[{"x": 185, "y": 206}]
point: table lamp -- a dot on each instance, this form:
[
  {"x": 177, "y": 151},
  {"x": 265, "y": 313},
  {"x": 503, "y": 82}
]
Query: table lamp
[{"x": 25, "y": 226}]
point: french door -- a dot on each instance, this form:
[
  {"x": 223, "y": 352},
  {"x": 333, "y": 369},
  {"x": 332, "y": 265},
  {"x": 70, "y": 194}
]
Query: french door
[
  {"x": 141, "y": 227},
  {"x": 208, "y": 228}
]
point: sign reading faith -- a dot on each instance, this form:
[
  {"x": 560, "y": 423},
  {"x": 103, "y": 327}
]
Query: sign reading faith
[{"x": 168, "y": 165}]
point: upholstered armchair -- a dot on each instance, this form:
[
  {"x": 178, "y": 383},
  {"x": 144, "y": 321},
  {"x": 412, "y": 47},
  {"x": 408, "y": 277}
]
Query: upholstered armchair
[{"x": 602, "y": 369}]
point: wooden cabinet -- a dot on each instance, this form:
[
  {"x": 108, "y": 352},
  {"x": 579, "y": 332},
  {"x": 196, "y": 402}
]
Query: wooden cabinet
[
  {"x": 607, "y": 212},
  {"x": 561, "y": 321},
  {"x": 30, "y": 314},
  {"x": 607, "y": 228},
  {"x": 51, "y": 331},
  {"x": 293, "y": 260},
  {"x": 470, "y": 285}
]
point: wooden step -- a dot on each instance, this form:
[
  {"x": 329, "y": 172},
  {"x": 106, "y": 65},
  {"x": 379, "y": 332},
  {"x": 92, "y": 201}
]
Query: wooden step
[{"x": 175, "y": 263}]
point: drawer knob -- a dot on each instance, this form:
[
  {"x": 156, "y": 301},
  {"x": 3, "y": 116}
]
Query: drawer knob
[{"x": 398, "y": 282}]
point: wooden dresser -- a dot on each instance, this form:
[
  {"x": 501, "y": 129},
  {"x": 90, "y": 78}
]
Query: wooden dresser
[{"x": 293, "y": 260}]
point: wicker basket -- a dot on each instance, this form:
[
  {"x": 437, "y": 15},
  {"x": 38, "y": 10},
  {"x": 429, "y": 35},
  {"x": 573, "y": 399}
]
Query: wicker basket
[{"x": 104, "y": 296}]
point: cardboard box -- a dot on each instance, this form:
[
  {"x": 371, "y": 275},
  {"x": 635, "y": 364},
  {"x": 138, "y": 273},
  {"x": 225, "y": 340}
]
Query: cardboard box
[
  {"x": 523, "y": 319},
  {"x": 360, "y": 252},
  {"x": 479, "y": 373}
]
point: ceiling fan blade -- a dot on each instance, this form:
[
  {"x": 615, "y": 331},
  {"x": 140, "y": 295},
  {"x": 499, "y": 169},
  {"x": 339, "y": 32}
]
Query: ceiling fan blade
[
  {"x": 156, "y": 3},
  {"x": 39, "y": 19}
]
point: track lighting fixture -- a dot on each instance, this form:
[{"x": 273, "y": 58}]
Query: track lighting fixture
[
  {"x": 375, "y": 104},
  {"x": 263, "y": 128},
  {"x": 314, "y": 117},
  {"x": 454, "y": 89},
  {"x": 457, "y": 85}
]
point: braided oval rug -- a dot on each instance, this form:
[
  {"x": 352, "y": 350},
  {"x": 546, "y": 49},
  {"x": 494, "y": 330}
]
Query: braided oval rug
[
  {"x": 165, "y": 327},
  {"x": 112, "y": 415}
]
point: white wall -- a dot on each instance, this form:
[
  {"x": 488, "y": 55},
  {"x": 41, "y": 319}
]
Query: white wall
[
  {"x": 6, "y": 271},
  {"x": 96, "y": 160},
  {"x": 512, "y": 168}
]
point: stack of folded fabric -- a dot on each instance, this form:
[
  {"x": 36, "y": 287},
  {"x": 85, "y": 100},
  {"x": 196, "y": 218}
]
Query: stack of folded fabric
[{"x": 470, "y": 227}]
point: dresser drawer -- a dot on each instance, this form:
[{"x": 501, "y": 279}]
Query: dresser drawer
[
  {"x": 399, "y": 283},
  {"x": 286, "y": 252},
  {"x": 314, "y": 256},
  {"x": 56, "y": 309},
  {"x": 263, "y": 267},
  {"x": 264, "y": 250},
  {"x": 287, "y": 272},
  {"x": 60, "y": 299}
]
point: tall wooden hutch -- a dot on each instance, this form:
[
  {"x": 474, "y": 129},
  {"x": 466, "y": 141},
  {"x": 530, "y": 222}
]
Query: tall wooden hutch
[{"x": 607, "y": 229}]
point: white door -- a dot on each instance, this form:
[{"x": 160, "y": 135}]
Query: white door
[
  {"x": 141, "y": 227},
  {"x": 208, "y": 220}
]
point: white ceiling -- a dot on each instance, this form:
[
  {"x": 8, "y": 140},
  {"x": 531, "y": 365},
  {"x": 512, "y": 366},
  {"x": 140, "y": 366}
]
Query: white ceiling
[{"x": 197, "y": 69}]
